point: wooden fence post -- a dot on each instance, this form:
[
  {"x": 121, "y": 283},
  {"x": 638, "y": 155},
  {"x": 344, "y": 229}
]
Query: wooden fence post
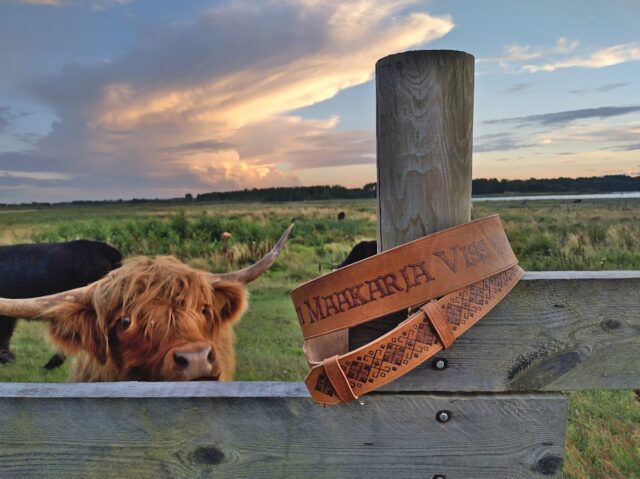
[
  {"x": 424, "y": 104},
  {"x": 424, "y": 132}
]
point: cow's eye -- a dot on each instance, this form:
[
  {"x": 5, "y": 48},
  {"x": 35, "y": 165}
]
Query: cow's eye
[
  {"x": 124, "y": 322},
  {"x": 206, "y": 310}
]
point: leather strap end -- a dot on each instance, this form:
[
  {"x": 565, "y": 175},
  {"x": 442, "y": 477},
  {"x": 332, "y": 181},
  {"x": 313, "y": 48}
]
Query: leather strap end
[
  {"x": 338, "y": 379},
  {"x": 440, "y": 324}
]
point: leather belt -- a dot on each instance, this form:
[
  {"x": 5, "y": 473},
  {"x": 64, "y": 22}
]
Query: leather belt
[{"x": 453, "y": 277}]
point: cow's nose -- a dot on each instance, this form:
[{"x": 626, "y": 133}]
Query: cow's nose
[{"x": 194, "y": 361}]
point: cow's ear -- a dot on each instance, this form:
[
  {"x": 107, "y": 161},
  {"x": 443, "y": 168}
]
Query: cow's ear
[
  {"x": 230, "y": 299},
  {"x": 74, "y": 327}
]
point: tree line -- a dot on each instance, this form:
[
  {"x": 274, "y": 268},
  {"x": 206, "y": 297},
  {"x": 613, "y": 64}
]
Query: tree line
[
  {"x": 292, "y": 193},
  {"x": 594, "y": 184},
  {"x": 481, "y": 186}
]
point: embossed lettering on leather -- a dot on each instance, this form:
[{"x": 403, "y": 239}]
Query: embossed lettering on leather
[
  {"x": 402, "y": 277},
  {"x": 470, "y": 268}
]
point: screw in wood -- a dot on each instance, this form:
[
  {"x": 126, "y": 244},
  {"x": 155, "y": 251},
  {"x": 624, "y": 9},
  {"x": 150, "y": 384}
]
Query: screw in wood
[
  {"x": 439, "y": 364},
  {"x": 443, "y": 416}
]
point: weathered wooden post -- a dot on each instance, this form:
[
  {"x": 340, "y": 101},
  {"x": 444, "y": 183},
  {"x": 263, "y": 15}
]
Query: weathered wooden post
[
  {"x": 424, "y": 103},
  {"x": 424, "y": 132}
]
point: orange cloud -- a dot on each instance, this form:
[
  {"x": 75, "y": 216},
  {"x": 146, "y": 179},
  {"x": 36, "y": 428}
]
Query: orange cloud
[
  {"x": 239, "y": 107},
  {"x": 207, "y": 104},
  {"x": 355, "y": 39}
]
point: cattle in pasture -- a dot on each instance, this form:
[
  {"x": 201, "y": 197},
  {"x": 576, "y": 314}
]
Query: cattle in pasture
[
  {"x": 360, "y": 251},
  {"x": 152, "y": 319},
  {"x": 28, "y": 270},
  {"x": 341, "y": 216}
]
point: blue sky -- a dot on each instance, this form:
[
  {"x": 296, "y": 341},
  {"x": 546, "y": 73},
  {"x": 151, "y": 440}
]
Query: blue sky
[{"x": 156, "y": 98}]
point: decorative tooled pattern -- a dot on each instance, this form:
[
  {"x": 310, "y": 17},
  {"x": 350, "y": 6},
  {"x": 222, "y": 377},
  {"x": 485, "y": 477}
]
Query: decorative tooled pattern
[
  {"x": 412, "y": 344},
  {"x": 324, "y": 385},
  {"x": 466, "y": 303}
]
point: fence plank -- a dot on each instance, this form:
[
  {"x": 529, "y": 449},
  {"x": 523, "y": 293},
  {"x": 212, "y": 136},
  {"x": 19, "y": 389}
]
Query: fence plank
[
  {"x": 489, "y": 436},
  {"x": 135, "y": 389},
  {"x": 555, "y": 331}
]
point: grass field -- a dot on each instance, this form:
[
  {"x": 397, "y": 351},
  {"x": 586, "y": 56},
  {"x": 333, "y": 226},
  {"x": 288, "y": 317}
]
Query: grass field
[{"x": 604, "y": 432}]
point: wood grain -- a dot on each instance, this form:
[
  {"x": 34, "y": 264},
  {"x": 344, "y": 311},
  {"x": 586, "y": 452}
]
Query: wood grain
[
  {"x": 555, "y": 331},
  {"x": 137, "y": 390},
  {"x": 493, "y": 436},
  {"x": 424, "y": 133},
  {"x": 424, "y": 111}
]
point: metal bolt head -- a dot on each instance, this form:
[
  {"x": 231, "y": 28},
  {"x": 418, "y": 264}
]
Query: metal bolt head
[
  {"x": 443, "y": 416},
  {"x": 439, "y": 476},
  {"x": 439, "y": 364}
]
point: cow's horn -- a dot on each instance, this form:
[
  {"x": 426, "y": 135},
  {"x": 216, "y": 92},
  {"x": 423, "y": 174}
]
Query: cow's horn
[
  {"x": 33, "y": 307},
  {"x": 252, "y": 272}
]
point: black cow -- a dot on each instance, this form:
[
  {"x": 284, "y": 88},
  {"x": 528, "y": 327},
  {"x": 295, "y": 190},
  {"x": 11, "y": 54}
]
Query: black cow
[
  {"x": 30, "y": 270},
  {"x": 362, "y": 250}
]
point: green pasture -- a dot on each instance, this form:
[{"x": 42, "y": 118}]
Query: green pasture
[{"x": 604, "y": 430}]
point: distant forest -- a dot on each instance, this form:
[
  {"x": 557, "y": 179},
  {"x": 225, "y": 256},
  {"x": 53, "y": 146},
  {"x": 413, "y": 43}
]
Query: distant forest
[
  {"x": 491, "y": 186},
  {"x": 594, "y": 184},
  {"x": 482, "y": 186}
]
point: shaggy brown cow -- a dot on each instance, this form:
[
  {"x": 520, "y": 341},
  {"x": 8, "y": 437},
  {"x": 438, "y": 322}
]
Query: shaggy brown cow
[{"x": 149, "y": 320}]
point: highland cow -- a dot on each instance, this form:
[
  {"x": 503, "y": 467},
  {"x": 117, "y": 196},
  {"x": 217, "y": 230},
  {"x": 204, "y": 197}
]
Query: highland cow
[{"x": 152, "y": 319}]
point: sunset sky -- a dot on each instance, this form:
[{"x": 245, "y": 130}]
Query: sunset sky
[{"x": 157, "y": 98}]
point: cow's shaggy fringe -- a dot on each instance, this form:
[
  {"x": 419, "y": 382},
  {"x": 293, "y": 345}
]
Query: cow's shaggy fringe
[{"x": 168, "y": 303}]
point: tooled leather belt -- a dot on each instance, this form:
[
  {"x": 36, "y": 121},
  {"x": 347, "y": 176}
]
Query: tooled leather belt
[{"x": 450, "y": 279}]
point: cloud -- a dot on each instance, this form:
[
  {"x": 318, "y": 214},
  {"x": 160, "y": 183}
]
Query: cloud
[
  {"x": 199, "y": 146},
  {"x": 205, "y": 104},
  {"x": 35, "y": 175},
  {"x": 4, "y": 118},
  {"x": 303, "y": 144},
  {"x": 632, "y": 147},
  {"x": 518, "y": 53},
  {"x": 607, "y": 87},
  {"x": 94, "y": 4},
  {"x": 582, "y": 134},
  {"x": 562, "y": 147},
  {"x": 521, "y": 53},
  {"x": 324, "y": 48},
  {"x": 604, "y": 57},
  {"x": 518, "y": 87},
  {"x": 11, "y": 136},
  {"x": 527, "y": 59},
  {"x": 564, "y": 117},
  {"x": 7, "y": 116},
  {"x": 499, "y": 142},
  {"x": 50, "y": 3}
]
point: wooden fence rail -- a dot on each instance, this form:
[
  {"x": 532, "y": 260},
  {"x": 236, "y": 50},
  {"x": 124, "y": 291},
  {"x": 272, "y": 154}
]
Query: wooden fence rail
[
  {"x": 272, "y": 430},
  {"x": 556, "y": 331}
]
